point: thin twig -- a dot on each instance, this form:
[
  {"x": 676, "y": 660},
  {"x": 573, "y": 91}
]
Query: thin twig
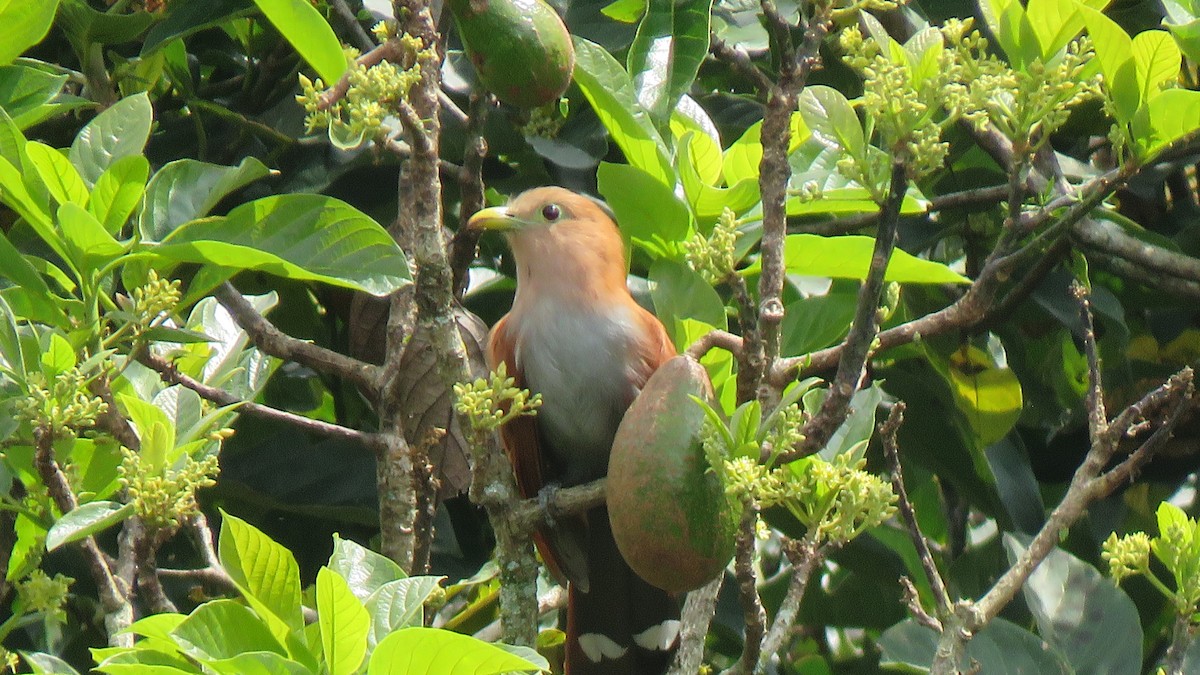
[
  {"x": 462, "y": 247},
  {"x": 752, "y": 610},
  {"x": 847, "y": 224},
  {"x": 276, "y": 343},
  {"x": 973, "y": 306},
  {"x": 172, "y": 375},
  {"x": 388, "y": 51},
  {"x": 739, "y": 60},
  {"x": 114, "y": 597},
  {"x": 716, "y": 339},
  {"x": 887, "y": 431},
  {"x": 361, "y": 39},
  {"x": 805, "y": 557},
  {"x": 1094, "y": 401},
  {"x": 857, "y": 346},
  {"x": 446, "y": 168}
]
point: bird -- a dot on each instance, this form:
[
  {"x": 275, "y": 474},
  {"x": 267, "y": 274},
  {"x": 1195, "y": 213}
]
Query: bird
[{"x": 576, "y": 336}]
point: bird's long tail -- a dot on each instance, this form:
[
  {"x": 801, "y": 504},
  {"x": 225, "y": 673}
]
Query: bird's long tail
[{"x": 621, "y": 625}]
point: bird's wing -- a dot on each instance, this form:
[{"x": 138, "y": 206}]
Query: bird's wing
[
  {"x": 562, "y": 547},
  {"x": 654, "y": 348}
]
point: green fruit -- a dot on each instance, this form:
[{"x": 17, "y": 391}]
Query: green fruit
[
  {"x": 670, "y": 516},
  {"x": 521, "y": 50}
]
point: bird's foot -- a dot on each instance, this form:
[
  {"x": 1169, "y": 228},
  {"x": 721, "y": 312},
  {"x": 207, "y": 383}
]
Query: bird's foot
[{"x": 546, "y": 502}]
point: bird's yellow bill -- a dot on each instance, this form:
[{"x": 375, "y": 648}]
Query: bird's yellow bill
[{"x": 495, "y": 218}]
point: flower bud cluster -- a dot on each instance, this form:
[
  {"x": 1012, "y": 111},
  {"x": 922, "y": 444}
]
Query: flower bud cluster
[
  {"x": 1029, "y": 103},
  {"x": 163, "y": 499},
  {"x": 39, "y": 593},
  {"x": 155, "y": 300},
  {"x": 489, "y": 403},
  {"x": 63, "y": 406},
  {"x": 712, "y": 257},
  {"x": 1177, "y": 547},
  {"x": 1126, "y": 556},
  {"x": 547, "y": 121},
  {"x": 373, "y": 90},
  {"x": 837, "y": 501}
]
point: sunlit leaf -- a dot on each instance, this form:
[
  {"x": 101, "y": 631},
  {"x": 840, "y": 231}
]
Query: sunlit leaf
[{"x": 310, "y": 35}]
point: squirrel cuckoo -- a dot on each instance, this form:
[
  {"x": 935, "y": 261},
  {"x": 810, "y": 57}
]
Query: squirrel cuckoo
[{"x": 576, "y": 336}]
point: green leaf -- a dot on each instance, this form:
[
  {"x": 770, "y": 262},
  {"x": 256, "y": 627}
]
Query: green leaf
[
  {"x": 12, "y": 141},
  {"x": 817, "y": 322},
  {"x": 1157, "y": 59},
  {"x": 87, "y": 28},
  {"x": 647, "y": 210},
  {"x": 185, "y": 18},
  {"x": 832, "y": 120},
  {"x": 399, "y": 604},
  {"x": 610, "y": 92},
  {"x": 155, "y": 625},
  {"x": 47, "y": 663},
  {"x": 155, "y": 430},
  {"x": 118, "y": 192},
  {"x": 670, "y": 43},
  {"x": 680, "y": 293},
  {"x": 25, "y": 24},
  {"x": 707, "y": 201},
  {"x": 97, "y": 465},
  {"x": 1173, "y": 114},
  {"x": 849, "y": 257},
  {"x": 310, "y": 35},
  {"x": 87, "y": 239},
  {"x": 431, "y": 651},
  {"x": 120, "y": 131},
  {"x": 14, "y": 266},
  {"x": 363, "y": 569},
  {"x": 295, "y": 236},
  {"x": 1002, "y": 648},
  {"x": 1081, "y": 613},
  {"x": 57, "y": 356},
  {"x": 258, "y": 663},
  {"x": 86, "y": 520},
  {"x": 344, "y": 623},
  {"x": 1013, "y": 30},
  {"x": 56, "y": 173},
  {"x": 1056, "y": 23},
  {"x": 222, "y": 629},
  {"x": 691, "y": 124},
  {"x": 625, "y": 11},
  {"x": 265, "y": 572},
  {"x": 988, "y": 396},
  {"x": 187, "y": 189},
  {"x": 14, "y": 193},
  {"x": 1114, "y": 48},
  {"x": 26, "y": 92}
]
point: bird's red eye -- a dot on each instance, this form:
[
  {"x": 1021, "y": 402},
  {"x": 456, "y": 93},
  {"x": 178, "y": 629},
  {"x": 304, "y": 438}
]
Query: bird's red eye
[{"x": 551, "y": 212}]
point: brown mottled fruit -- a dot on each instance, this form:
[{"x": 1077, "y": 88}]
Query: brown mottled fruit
[
  {"x": 521, "y": 49},
  {"x": 670, "y": 516}
]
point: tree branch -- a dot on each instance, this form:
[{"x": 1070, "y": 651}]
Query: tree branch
[
  {"x": 805, "y": 557},
  {"x": 114, "y": 597},
  {"x": 276, "y": 343},
  {"x": 774, "y": 173},
  {"x": 857, "y": 347},
  {"x": 171, "y": 375},
  {"x": 887, "y": 431}
]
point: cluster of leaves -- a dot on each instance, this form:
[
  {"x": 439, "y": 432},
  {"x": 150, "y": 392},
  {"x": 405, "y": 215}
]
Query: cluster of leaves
[{"x": 369, "y": 620}]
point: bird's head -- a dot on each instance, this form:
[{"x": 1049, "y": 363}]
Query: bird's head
[{"x": 558, "y": 237}]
